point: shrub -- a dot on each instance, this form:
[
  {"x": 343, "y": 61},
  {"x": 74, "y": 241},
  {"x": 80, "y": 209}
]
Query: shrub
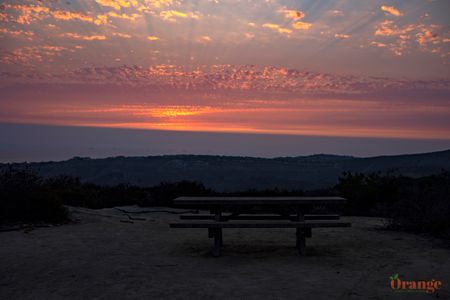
[
  {"x": 424, "y": 206},
  {"x": 25, "y": 198},
  {"x": 414, "y": 204},
  {"x": 164, "y": 193}
]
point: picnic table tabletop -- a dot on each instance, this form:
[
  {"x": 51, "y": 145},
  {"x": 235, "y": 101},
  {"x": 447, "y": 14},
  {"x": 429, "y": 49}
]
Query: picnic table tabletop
[{"x": 230, "y": 200}]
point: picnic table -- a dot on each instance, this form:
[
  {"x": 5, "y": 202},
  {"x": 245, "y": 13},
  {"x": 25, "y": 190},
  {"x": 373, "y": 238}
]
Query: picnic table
[{"x": 258, "y": 212}]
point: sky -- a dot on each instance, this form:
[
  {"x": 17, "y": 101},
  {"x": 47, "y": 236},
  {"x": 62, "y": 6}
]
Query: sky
[{"x": 346, "y": 69}]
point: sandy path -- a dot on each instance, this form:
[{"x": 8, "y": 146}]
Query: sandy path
[{"x": 103, "y": 258}]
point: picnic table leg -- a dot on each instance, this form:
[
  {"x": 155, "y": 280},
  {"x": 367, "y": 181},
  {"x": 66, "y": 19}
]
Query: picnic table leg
[
  {"x": 217, "y": 232},
  {"x": 301, "y": 240},
  {"x": 218, "y": 218},
  {"x": 300, "y": 216},
  {"x": 300, "y": 233},
  {"x": 217, "y": 243}
]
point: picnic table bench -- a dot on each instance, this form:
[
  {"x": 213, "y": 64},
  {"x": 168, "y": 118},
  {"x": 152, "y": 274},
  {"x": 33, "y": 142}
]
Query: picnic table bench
[{"x": 258, "y": 212}]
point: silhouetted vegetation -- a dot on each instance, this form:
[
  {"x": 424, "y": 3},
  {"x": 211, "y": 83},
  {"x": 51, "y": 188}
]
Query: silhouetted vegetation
[
  {"x": 75, "y": 193},
  {"x": 27, "y": 197},
  {"x": 24, "y": 197},
  {"x": 414, "y": 204}
]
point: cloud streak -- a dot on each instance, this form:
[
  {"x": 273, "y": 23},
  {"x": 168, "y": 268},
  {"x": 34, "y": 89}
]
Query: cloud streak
[
  {"x": 391, "y": 10},
  {"x": 77, "y": 36}
]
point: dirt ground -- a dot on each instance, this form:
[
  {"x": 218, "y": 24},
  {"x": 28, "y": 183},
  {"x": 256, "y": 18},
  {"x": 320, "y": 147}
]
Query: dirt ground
[{"x": 102, "y": 257}]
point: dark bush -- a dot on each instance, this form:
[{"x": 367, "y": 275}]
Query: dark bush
[
  {"x": 369, "y": 194},
  {"x": 414, "y": 204},
  {"x": 25, "y": 198},
  {"x": 164, "y": 193},
  {"x": 424, "y": 206}
]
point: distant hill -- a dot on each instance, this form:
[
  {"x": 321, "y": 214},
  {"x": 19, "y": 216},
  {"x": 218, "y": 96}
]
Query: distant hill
[{"x": 231, "y": 173}]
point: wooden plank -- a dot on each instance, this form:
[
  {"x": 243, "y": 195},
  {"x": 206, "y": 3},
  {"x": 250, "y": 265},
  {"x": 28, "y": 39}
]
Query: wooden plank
[
  {"x": 267, "y": 224},
  {"x": 259, "y": 217},
  {"x": 257, "y": 200}
]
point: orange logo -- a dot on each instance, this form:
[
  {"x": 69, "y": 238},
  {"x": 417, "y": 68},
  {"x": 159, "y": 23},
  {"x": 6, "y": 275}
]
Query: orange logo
[{"x": 427, "y": 286}]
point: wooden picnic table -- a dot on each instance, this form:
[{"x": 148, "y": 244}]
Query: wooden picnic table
[{"x": 290, "y": 210}]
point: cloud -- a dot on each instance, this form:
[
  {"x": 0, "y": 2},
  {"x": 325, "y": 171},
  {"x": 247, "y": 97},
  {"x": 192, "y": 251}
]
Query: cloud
[
  {"x": 301, "y": 25},
  {"x": 28, "y": 55},
  {"x": 117, "y": 4},
  {"x": 378, "y": 44},
  {"x": 277, "y": 28},
  {"x": 121, "y": 35},
  {"x": 249, "y": 35},
  {"x": 292, "y": 14},
  {"x": 426, "y": 36},
  {"x": 206, "y": 38},
  {"x": 77, "y": 36},
  {"x": 30, "y": 13},
  {"x": 287, "y": 100},
  {"x": 152, "y": 38},
  {"x": 391, "y": 10},
  {"x": 337, "y": 13},
  {"x": 266, "y": 80},
  {"x": 342, "y": 36},
  {"x": 27, "y": 13},
  {"x": 17, "y": 33},
  {"x": 149, "y": 6},
  {"x": 68, "y": 15},
  {"x": 130, "y": 17},
  {"x": 388, "y": 28},
  {"x": 171, "y": 15}
]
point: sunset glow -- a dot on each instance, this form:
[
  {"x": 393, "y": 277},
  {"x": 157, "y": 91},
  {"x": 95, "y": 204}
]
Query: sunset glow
[{"x": 320, "y": 68}]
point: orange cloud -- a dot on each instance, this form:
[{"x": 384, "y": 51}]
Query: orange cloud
[
  {"x": 68, "y": 15},
  {"x": 152, "y": 38},
  {"x": 17, "y": 33},
  {"x": 292, "y": 14},
  {"x": 277, "y": 28},
  {"x": 249, "y": 35},
  {"x": 148, "y": 6},
  {"x": 301, "y": 25},
  {"x": 334, "y": 117},
  {"x": 173, "y": 111},
  {"x": 342, "y": 36},
  {"x": 117, "y": 4},
  {"x": 388, "y": 28},
  {"x": 77, "y": 36},
  {"x": 391, "y": 10},
  {"x": 205, "y": 38},
  {"x": 28, "y": 13},
  {"x": 426, "y": 36},
  {"x": 28, "y": 55},
  {"x": 378, "y": 44},
  {"x": 122, "y": 35},
  {"x": 131, "y": 17},
  {"x": 171, "y": 15}
]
